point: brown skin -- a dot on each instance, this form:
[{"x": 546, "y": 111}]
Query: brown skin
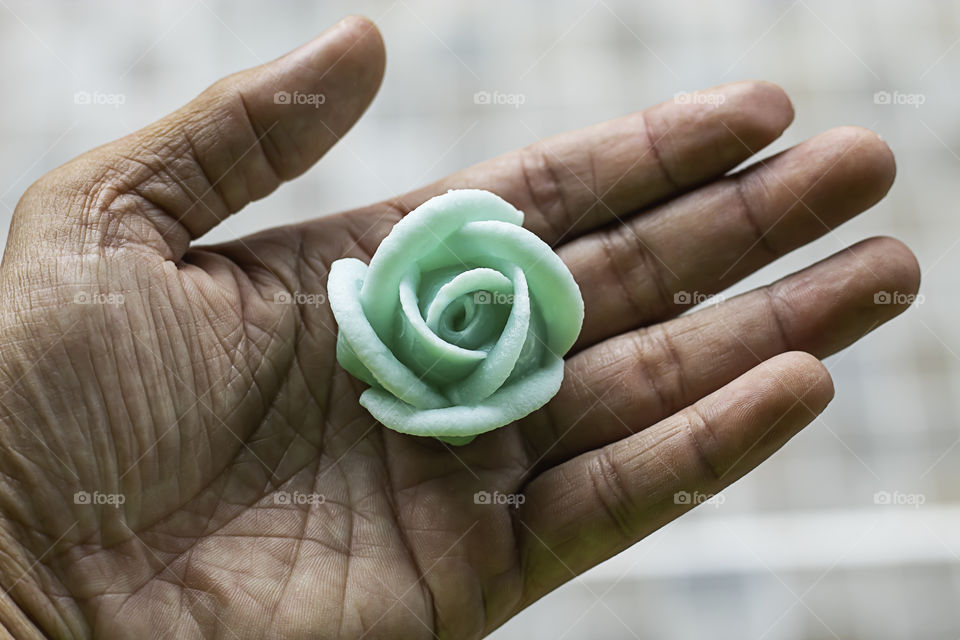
[{"x": 198, "y": 398}]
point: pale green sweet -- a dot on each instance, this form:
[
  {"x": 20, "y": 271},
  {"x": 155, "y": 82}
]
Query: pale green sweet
[{"x": 461, "y": 320}]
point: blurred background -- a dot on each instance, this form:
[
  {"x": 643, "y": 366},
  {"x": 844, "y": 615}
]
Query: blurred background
[{"x": 853, "y": 530}]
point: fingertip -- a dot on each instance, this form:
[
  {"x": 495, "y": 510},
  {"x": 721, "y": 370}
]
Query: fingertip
[
  {"x": 895, "y": 269},
  {"x": 805, "y": 377},
  {"x": 706, "y": 132},
  {"x": 772, "y": 100},
  {"x": 353, "y": 47},
  {"x": 868, "y": 156},
  {"x": 895, "y": 260},
  {"x": 359, "y": 22},
  {"x": 758, "y": 111},
  {"x": 756, "y": 414},
  {"x": 841, "y": 173},
  {"x": 309, "y": 98},
  {"x": 886, "y": 158},
  {"x": 365, "y": 34}
]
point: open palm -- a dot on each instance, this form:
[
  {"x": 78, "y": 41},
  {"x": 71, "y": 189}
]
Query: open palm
[{"x": 182, "y": 456}]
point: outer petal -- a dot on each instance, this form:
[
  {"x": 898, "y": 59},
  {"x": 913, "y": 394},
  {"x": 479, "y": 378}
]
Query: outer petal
[
  {"x": 343, "y": 286},
  {"x": 458, "y": 423},
  {"x": 351, "y": 363}
]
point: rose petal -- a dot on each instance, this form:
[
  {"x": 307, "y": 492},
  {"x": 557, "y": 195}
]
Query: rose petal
[
  {"x": 481, "y": 279},
  {"x": 460, "y": 423},
  {"x": 533, "y": 349},
  {"x": 351, "y": 363},
  {"x": 551, "y": 285},
  {"x": 343, "y": 287},
  {"x": 485, "y": 322},
  {"x": 501, "y": 359},
  {"x": 417, "y": 235},
  {"x": 431, "y": 357}
]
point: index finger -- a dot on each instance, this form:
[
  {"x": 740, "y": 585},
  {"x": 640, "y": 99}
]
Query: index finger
[{"x": 573, "y": 182}]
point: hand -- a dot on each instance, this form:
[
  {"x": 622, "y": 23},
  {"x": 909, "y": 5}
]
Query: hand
[{"x": 183, "y": 457}]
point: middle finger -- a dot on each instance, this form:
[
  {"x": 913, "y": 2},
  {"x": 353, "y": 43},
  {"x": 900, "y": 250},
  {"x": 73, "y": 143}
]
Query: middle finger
[{"x": 659, "y": 263}]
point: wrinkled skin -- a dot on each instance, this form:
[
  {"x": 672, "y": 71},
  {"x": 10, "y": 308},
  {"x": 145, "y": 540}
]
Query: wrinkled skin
[{"x": 197, "y": 398}]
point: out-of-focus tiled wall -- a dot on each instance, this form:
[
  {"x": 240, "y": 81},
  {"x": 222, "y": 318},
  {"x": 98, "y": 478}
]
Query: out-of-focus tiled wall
[{"x": 799, "y": 549}]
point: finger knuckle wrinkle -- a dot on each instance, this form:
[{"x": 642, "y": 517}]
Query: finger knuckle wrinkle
[
  {"x": 702, "y": 443},
  {"x": 612, "y": 492}
]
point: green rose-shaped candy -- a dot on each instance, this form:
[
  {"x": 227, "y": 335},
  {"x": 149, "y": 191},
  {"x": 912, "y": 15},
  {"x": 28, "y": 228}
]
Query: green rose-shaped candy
[{"x": 461, "y": 320}]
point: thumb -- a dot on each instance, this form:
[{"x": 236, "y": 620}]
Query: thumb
[{"x": 236, "y": 142}]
